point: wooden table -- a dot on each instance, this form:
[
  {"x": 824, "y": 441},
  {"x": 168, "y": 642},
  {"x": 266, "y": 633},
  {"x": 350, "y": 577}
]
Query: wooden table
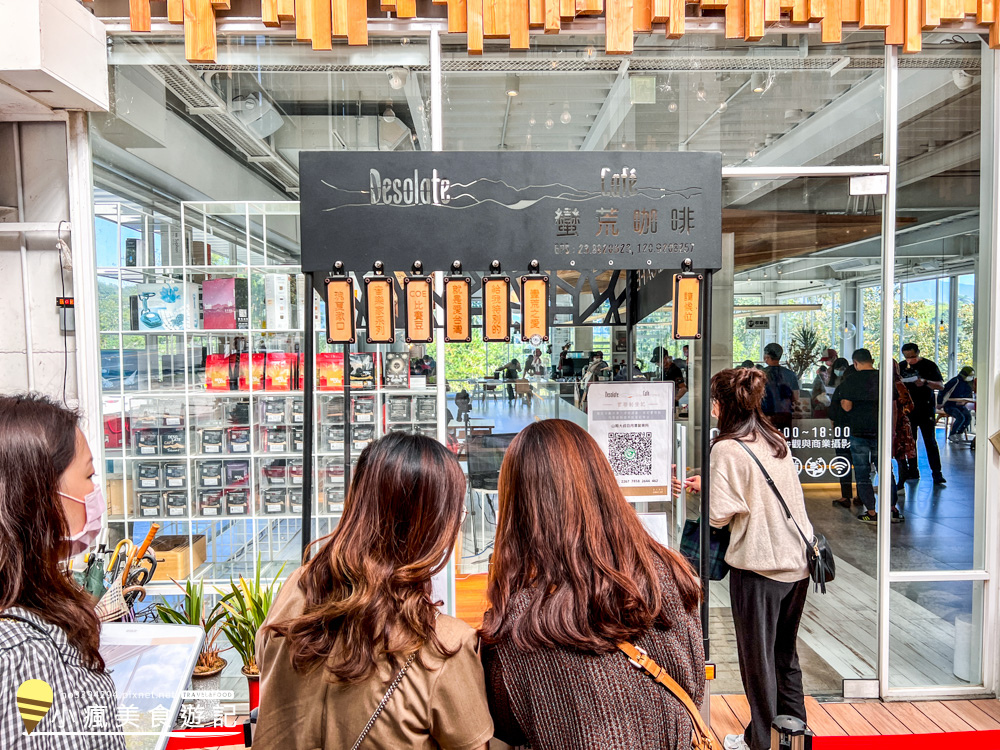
[{"x": 476, "y": 427}]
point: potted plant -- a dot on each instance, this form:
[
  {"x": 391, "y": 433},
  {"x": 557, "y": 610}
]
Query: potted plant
[
  {"x": 245, "y": 608},
  {"x": 193, "y": 612}
]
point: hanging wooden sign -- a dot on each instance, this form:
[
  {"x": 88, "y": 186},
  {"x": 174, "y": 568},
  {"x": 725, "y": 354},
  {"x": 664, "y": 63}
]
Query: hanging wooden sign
[
  {"x": 418, "y": 301},
  {"x": 535, "y": 308},
  {"x": 687, "y": 306},
  {"x": 457, "y": 309},
  {"x": 379, "y": 310},
  {"x": 340, "y": 310},
  {"x": 496, "y": 308}
]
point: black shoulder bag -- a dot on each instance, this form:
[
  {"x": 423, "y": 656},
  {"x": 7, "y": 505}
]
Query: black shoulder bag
[{"x": 819, "y": 556}]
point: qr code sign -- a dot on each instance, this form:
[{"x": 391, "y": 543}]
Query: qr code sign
[{"x": 631, "y": 453}]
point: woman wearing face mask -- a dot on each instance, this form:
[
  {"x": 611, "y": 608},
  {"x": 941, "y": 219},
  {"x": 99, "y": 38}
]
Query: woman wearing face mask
[
  {"x": 50, "y": 510},
  {"x": 839, "y": 373},
  {"x": 955, "y": 397}
]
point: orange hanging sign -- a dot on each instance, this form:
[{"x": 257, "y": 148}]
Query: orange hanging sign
[
  {"x": 496, "y": 308},
  {"x": 535, "y": 308},
  {"x": 340, "y": 310},
  {"x": 379, "y": 310},
  {"x": 687, "y": 306},
  {"x": 419, "y": 301},
  {"x": 457, "y": 308}
]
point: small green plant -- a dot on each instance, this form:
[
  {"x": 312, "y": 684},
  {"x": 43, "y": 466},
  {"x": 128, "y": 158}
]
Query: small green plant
[
  {"x": 803, "y": 350},
  {"x": 245, "y": 609},
  {"x": 193, "y": 613}
]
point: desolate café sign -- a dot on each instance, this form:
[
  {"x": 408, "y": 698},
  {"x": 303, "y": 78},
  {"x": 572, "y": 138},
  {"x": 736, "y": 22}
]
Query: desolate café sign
[{"x": 568, "y": 210}]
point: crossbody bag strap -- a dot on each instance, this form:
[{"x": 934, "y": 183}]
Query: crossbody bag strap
[
  {"x": 642, "y": 660},
  {"x": 384, "y": 701},
  {"x": 777, "y": 494}
]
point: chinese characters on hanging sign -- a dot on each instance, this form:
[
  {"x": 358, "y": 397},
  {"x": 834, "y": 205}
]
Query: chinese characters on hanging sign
[
  {"x": 534, "y": 308},
  {"x": 687, "y": 306},
  {"x": 381, "y": 323},
  {"x": 419, "y": 317},
  {"x": 340, "y": 311},
  {"x": 457, "y": 309},
  {"x": 496, "y": 309}
]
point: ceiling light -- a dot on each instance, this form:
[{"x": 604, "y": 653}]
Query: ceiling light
[
  {"x": 672, "y": 107},
  {"x": 549, "y": 123},
  {"x": 723, "y": 106},
  {"x": 565, "y": 117},
  {"x": 700, "y": 91},
  {"x": 757, "y": 83},
  {"x": 397, "y": 77},
  {"x": 388, "y": 115},
  {"x": 513, "y": 86},
  {"x": 963, "y": 79}
]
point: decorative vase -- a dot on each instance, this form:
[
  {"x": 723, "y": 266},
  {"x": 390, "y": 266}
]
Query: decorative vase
[
  {"x": 205, "y": 709},
  {"x": 253, "y": 687}
]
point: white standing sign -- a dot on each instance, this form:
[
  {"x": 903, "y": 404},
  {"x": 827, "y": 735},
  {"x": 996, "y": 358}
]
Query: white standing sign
[{"x": 633, "y": 423}]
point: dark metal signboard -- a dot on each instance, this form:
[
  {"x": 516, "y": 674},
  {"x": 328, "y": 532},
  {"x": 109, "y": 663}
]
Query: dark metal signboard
[{"x": 568, "y": 210}]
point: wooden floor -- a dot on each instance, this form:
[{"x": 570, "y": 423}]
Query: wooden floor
[{"x": 731, "y": 713}]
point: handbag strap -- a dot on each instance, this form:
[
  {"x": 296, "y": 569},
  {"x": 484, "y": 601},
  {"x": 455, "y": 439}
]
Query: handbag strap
[
  {"x": 642, "y": 660},
  {"x": 383, "y": 702},
  {"x": 809, "y": 545}
]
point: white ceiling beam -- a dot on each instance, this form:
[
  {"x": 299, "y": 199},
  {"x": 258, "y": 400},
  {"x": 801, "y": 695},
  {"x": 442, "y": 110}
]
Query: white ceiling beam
[
  {"x": 846, "y": 123},
  {"x": 943, "y": 159},
  {"x": 617, "y": 105}
]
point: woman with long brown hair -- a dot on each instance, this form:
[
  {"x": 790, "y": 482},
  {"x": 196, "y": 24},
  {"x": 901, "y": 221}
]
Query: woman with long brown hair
[
  {"x": 356, "y": 629},
  {"x": 574, "y": 573},
  {"x": 769, "y": 576},
  {"x": 50, "y": 510}
]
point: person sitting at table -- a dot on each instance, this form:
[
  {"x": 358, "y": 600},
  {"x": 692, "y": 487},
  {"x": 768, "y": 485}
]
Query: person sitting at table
[
  {"x": 955, "y": 396},
  {"x": 510, "y": 371}
]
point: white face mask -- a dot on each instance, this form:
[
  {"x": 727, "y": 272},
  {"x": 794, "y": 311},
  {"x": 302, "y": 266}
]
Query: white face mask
[
  {"x": 839, "y": 373},
  {"x": 95, "y": 509},
  {"x": 969, "y": 378}
]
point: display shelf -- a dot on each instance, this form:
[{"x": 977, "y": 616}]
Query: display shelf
[{"x": 170, "y": 371}]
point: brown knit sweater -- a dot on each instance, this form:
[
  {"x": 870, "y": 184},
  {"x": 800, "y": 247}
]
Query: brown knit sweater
[{"x": 558, "y": 699}]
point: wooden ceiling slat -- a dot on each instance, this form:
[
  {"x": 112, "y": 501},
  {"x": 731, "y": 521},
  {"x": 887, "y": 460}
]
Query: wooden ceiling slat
[
  {"x": 338, "y": 18},
  {"x": 200, "y": 44},
  {"x": 139, "y": 15},
  {"x": 536, "y": 13},
  {"x": 618, "y": 22},
  {"x": 357, "y": 23},
  {"x": 458, "y": 17},
  {"x": 675, "y": 24},
  {"x": 520, "y": 37},
  {"x": 552, "y": 20},
  {"x": 320, "y": 21},
  {"x": 175, "y": 11},
  {"x": 912, "y": 21},
  {"x": 735, "y": 19},
  {"x": 753, "y": 23},
  {"x": 932, "y": 14},
  {"x": 642, "y": 14},
  {"x": 831, "y": 28},
  {"x": 474, "y": 26},
  {"x": 322, "y": 24},
  {"x": 895, "y": 32},
  {"x": 303, "y": 20},
  {"x": 875, "y": 14}
]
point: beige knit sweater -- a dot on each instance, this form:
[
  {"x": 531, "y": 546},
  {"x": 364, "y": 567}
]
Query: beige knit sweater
[{"x": 763, "y": 540}]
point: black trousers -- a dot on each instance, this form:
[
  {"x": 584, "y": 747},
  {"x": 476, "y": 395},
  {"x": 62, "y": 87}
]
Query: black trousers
[
  {"x": 766, "y": 614},
  {"x": 924, "y": 424},
  {"x": 846, "y": 482}
]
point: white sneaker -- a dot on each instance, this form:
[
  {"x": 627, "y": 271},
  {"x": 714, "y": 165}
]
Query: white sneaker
[{"x": 735, "y": 742}]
